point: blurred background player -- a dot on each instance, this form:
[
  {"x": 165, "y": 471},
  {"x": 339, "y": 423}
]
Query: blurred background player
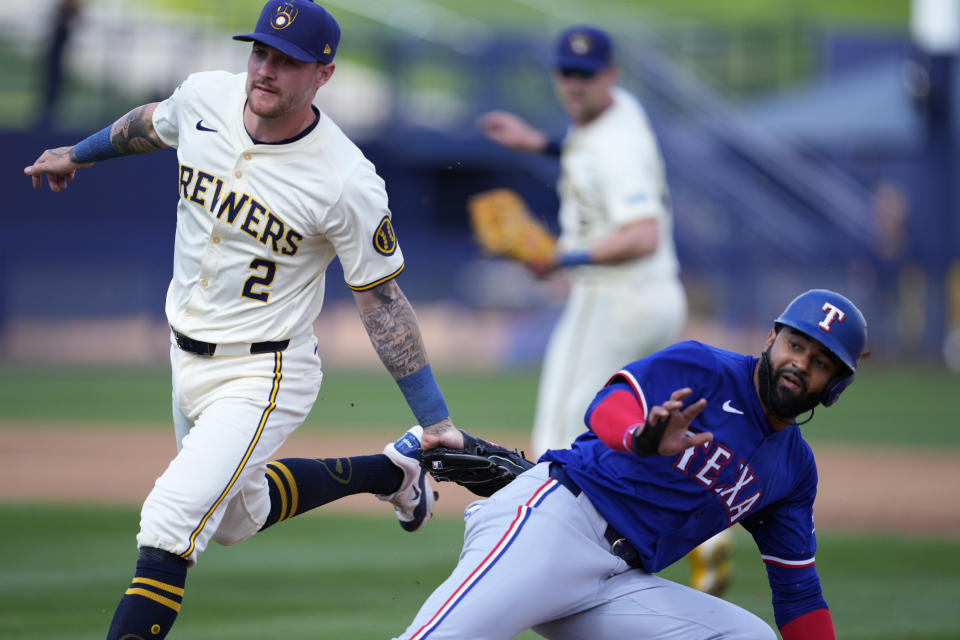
[
  {"x": 66, "y": 13},
  {"x": 616, "y": 242},
  {"x": 271, "y": 191}
]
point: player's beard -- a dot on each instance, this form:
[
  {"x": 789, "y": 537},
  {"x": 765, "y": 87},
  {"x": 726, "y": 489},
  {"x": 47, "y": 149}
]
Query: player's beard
[
  {"x": 781, "y": 402},
  {"x": 280, "y": 105}
]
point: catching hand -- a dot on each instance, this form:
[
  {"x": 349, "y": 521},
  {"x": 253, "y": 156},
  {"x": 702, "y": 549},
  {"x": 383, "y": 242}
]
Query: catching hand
[{"x": 481, "y": 466}]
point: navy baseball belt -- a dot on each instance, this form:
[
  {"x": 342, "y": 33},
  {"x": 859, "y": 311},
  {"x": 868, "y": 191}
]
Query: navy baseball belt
[
  {"x": 210, "y": 348},
  {"x": 619, "y": 545}
]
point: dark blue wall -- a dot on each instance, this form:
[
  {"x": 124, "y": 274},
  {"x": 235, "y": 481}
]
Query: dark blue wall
[{"x": 104, "y": 246}]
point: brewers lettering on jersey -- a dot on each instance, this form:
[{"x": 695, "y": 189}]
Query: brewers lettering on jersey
[
  {"x": 680, "y": 445},
  {"x": 270, "y": 191}
]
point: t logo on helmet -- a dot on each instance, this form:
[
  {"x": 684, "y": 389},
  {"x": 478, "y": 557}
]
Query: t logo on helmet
[{"x": 833, "y": 313}]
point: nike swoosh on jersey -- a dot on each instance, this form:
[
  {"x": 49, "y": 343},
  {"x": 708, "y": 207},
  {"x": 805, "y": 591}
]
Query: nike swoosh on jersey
[
  {"x": 729, "y": 408},
  {"x": 200, "y": 126}
]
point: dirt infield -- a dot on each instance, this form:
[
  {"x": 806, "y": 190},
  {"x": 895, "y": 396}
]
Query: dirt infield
[{"x": 861, "y": 488}]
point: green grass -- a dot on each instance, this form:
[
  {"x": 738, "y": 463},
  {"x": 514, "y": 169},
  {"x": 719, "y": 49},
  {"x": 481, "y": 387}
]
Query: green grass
[
  {"x": 64, "y": 568},
  {"x": 888, "y": 12},
  {"x": 892, "y": 406},
  {"x": 317, "y": 577},
  {"x": 322, "y": 576}
]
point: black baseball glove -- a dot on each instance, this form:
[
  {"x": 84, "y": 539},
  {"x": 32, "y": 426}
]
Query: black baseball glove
[{"x": 481, "y": 466}]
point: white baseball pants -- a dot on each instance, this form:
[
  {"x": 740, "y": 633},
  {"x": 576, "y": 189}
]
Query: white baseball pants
[
  {"x": 231, "y": 414},
  {"x": 534, "y": 557}
]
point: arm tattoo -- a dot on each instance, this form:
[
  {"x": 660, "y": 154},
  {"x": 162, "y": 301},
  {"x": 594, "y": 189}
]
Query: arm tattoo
[
  {"x": 394, "y": 331},
  {"x": 133, "y": 133}
]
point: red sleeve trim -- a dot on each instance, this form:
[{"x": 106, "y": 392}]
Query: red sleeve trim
[
  {"x": 789, "y": 564},
  {"x": 815, "y": 625},
  {"x": 625, "y": 376},
  {"x": 616, "y": 415}
]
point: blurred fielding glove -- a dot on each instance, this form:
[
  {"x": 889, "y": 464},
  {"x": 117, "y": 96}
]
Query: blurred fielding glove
[
  {"x": 504, "y": 226},
  {"x": 481, "y": 466}
]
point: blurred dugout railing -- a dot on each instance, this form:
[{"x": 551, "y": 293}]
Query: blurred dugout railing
[{"x": 757, "y": 214}]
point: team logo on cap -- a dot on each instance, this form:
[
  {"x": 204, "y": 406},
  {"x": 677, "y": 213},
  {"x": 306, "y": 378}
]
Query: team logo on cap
[
  {"x": 833, "y": 313},
  {"x": 580, "y": 44},
  {"x": 285, "y": 15},
  {"x": 385, "y": 240}
]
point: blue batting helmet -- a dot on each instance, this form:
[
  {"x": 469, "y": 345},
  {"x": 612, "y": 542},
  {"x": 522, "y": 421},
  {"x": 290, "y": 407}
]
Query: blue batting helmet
[{"x": 837, "y": 324}]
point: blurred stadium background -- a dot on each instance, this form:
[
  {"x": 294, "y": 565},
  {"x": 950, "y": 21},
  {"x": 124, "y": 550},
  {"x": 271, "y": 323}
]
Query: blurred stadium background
[{"x": 809, "y": 143}]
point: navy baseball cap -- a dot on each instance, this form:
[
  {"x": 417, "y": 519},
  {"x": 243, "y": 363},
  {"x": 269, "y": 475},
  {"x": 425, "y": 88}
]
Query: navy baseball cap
[
  {"x": 299, "y": 28},
  {"x": 585, "y": 48}
]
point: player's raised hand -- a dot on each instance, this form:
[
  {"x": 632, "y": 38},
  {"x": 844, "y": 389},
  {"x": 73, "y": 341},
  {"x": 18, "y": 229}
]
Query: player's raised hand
[
  {"x": 512, "y": 131},
  {"x": 665, "y": 430},
  {"x": 57, "y": 166}
]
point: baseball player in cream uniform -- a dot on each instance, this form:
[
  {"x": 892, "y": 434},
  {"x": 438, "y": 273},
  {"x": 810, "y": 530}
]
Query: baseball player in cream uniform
[
  {"x": 270, "y": 191},
  {"x": 616, "y": 239},
  {"x": 612, "y": 177},
  {"x": 246, "y": 273},
  {"x": 616, "y": 243}
]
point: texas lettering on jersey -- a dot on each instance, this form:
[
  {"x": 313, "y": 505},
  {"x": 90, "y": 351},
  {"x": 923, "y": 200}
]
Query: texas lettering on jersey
[
  {"x": 705, "y": 463},
  {"x": 256, "y": 220}
]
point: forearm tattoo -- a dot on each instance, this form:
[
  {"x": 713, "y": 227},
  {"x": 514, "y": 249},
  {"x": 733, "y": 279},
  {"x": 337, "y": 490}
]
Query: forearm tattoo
[
  {"x": 394, "y": 331},
  {"x": 133, "y": 133}
]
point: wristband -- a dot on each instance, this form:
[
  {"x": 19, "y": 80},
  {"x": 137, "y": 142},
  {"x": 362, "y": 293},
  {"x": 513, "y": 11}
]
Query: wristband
[
  {"x": 554, "y": 146},
  {"x": 645, "y": 441},
  {"x": 423, "y": 396},
  {"x": 575, "y": 258},
  {"x": 627, "y": 440},
  {"x": 95, "y": 148}
]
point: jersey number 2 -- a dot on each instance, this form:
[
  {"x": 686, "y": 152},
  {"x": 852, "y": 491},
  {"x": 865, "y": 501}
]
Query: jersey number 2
[{"x": 269, "y": 271}]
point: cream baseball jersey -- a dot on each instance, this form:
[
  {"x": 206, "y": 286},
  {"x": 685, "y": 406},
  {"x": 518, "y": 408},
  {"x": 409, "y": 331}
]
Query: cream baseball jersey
[
  {"x": 258, "y": 224},
  {"x": 612, "y": 174}
]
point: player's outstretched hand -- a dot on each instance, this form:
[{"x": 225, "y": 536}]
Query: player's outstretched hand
[
  {"x": 672, "y": 419},
  {"x": 57, "y": 166},
  {"x": 512, "y": 131}
]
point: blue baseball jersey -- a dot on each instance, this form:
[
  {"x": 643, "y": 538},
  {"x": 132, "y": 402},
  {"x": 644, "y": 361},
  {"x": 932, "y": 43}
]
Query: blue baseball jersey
[{"x": 749, "y": 473}]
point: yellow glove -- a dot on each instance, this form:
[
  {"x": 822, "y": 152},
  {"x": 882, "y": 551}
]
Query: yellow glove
[{"x": 504, "y": 226}]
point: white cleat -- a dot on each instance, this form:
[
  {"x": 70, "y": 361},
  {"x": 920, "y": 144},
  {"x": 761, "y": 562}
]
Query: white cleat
[{"x": 413, "y": 501}]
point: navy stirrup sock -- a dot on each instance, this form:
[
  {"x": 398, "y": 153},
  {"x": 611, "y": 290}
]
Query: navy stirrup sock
[
  {"x": 301, "y": 484},
  {"x": 150, "y": 606}
]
